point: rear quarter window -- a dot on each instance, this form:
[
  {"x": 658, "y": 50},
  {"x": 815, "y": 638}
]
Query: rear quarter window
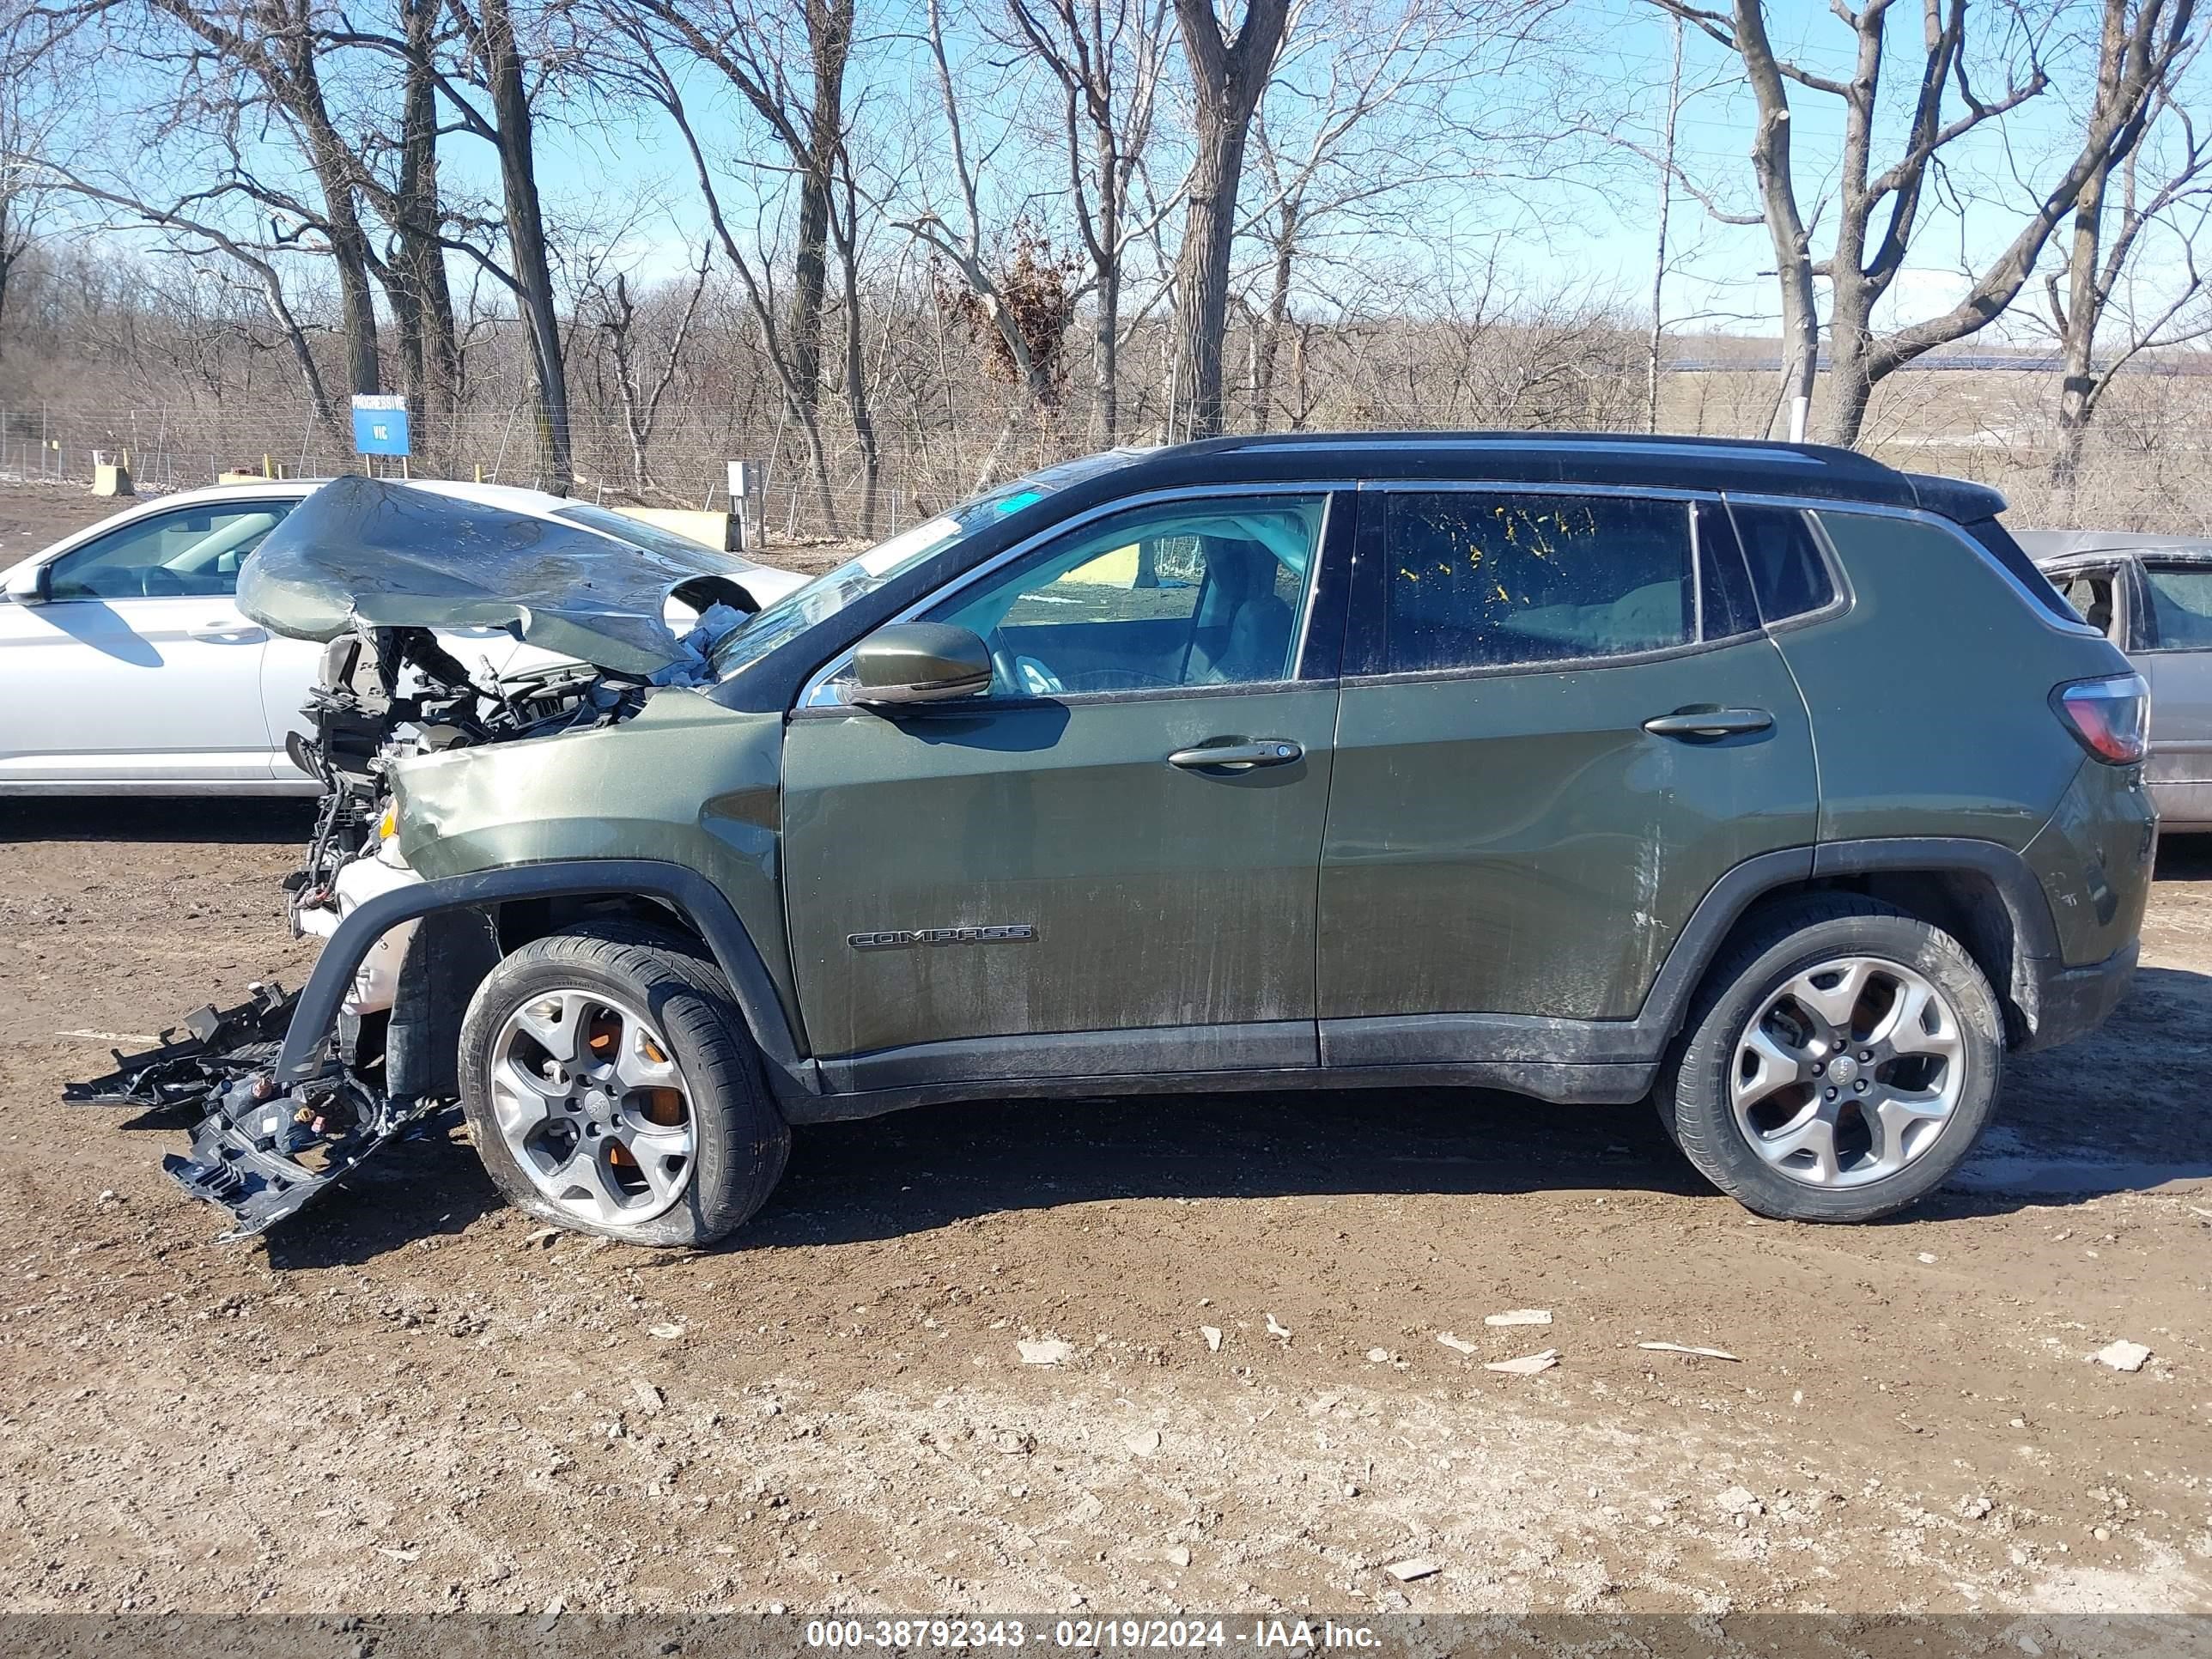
[{"x": 1789, "y": 576}]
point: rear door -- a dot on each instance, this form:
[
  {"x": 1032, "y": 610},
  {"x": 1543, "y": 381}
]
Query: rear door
[
  {"x": 139, "y": 668},
  {"x": 1053, "y": 879},
  {"x": 1561, "y": 725}
]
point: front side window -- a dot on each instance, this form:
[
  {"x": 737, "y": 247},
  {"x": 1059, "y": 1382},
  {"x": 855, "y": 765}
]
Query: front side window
[
  {"x": 2180, "y": 606},
  {"x": 803, "y": 608},
  {"x": 194, "y": 552},
  {"x": 1182, "y": 594},
  {"x": 1475, "y": 579}
]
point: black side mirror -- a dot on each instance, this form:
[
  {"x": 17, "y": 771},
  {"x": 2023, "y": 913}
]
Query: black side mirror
[{"x": 920, "y": 662}]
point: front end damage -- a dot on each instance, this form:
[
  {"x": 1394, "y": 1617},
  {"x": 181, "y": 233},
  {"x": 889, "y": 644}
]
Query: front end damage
[{"x": 287, "y": 1093}]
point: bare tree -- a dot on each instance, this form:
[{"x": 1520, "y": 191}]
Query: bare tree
[
  {"x": 796, "y": 87},
  {"x": 846, "y": 233},
  {"x": 493, "y": 58},
  {"x": 1229, "y": 72},
  {"x": 22, "y": 184},
  {"x": 648, "y": 76},
  {"x": 229, "y": 62},
  {"x": 1867, "y": 256},
  {"x": 614, "y": 314},
  {"x": 1360, "y": 125},
  {"x": 795, "y": 83},
  {"x": 1656, "y": 345},
  {"x": 2118, "y": 213},
  {"x": 1108, "y": 59},
  {"x": 1016, "y": 294},
  {"x": 196, "y": 236},
  {"x": 414, "y": 273}
]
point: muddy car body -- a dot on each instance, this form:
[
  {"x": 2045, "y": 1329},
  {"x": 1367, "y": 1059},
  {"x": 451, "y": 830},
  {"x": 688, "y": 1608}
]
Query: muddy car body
[
  {"x": 1762, "y": 779},
  {"x": 2152, "y": 597}
]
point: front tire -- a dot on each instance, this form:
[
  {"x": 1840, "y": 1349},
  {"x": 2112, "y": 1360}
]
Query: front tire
[
  {"x": 1838, "y": 1064},
  {"x": 610, "y": 1086}
]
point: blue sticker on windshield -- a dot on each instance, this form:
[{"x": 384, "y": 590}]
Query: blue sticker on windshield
[{"x": 1016, "y": 503}]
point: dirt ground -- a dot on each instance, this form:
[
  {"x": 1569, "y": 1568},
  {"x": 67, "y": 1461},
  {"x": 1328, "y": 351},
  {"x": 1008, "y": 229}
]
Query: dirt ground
[{"x": 407, "y": 1400}]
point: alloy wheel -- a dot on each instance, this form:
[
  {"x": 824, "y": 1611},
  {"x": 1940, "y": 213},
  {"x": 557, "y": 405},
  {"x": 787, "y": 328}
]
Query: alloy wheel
[
  {"x": 592, "y": 1106},
  {"x": 1848, "y": 1072}
]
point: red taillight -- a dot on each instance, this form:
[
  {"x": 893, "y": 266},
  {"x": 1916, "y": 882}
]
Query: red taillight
[{"x": 2111, "y": 717}]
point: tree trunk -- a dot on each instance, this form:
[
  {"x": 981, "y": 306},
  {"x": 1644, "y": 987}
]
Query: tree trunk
[
  {"x": 1228, "y": 78},
  {"x": 1655, "y": 346},
  {"x": 1850, "y": 345},
  {"x": 828, "y": 41},
  {"x": 311, "y": 377},
  {"x": 1801, "y": 316},
  {"x": 1851, "y": 389},
  {"x": 291, "y": 73},
  {"x": 525, "y": 235},
  {"x": 420, "y": 213},
  {"x": 9, "y": 252},
  {"x": 1202, "y": 276},
  {"x": 856, "y": 380},
  {"x": 1264, "y": 347},
  {"x": 2077, "y": 390},
  {"x": 1106, "y": 350}
]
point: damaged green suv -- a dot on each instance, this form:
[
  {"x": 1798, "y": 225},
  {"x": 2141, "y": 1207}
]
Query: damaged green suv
[{"x": 1759, "y": 779}]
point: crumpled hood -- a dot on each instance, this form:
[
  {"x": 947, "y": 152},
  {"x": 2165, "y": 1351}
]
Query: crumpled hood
[{"x": 392, "y": 555}]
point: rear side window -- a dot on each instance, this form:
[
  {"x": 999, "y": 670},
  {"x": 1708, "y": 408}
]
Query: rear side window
[
  {"x": 1998, "y": 544},
  {"x": 1475, "y": 579},
  {"x": 2180, "y": 606},
  {"x": 1787, "y": 574}
]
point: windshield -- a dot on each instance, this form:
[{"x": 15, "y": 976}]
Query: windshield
[{"x": 801, "y": 609}]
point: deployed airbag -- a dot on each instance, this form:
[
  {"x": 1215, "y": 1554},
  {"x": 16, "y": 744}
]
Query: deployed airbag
[{"x": 395, "y": 556}]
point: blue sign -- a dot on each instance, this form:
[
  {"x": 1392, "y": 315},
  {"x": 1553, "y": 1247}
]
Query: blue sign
[{"x": 379, "y": 426}]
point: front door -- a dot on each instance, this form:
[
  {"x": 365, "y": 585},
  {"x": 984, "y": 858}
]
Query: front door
[
  {"x": 138, "y": 668},
  {"x": 1054, "y": 879},
  {"x": 1562, "y": 723}
]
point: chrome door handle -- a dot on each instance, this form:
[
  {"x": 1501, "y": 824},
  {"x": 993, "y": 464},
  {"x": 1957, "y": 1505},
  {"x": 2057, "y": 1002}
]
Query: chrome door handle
[
  {"x": 1708, "y": 722},
  {"x": 1238, "y": 756},
  {"x": 220, "y": 633}
]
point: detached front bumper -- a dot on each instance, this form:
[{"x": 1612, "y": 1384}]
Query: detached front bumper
[
  {"x": 2070, "y": 1002},
  {"x": 259, "y": 1150}
]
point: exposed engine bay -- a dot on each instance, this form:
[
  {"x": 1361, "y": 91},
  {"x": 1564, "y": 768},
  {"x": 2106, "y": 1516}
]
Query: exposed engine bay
[
  {"x": 262, "y": 1152},
  {"x": 386, "y": 693}
]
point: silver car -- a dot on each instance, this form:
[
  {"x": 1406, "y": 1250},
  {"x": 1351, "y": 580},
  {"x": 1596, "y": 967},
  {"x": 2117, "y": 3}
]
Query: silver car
[{"x": 2152, "y": 597}]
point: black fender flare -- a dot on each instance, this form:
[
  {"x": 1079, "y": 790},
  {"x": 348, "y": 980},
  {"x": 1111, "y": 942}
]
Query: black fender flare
[
  {"x": 694, "y": 897},
  {"x": 2035, "y": 946}
]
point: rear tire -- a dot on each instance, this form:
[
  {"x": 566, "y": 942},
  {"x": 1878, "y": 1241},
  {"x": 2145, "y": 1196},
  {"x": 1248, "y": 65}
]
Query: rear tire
[
  {"x": 610, "y": 1086},
  {"x": 1838, "y": 1064}
]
